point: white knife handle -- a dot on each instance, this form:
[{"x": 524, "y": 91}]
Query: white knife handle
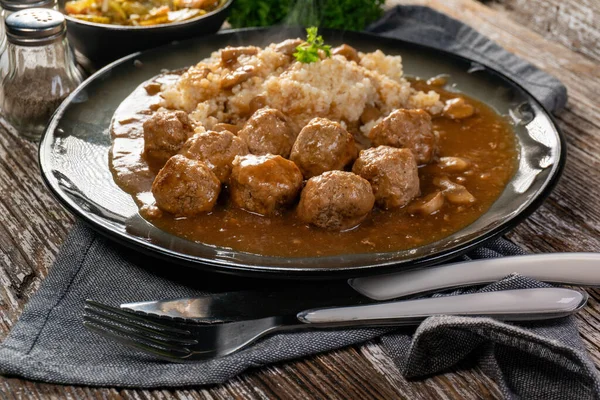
[
  {"x": 524, "y": 304},
  {"x": 581, "y": 269}
]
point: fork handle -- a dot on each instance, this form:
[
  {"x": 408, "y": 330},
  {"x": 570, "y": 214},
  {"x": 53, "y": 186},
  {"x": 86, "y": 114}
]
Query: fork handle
[{"x": 512, "y": 305}]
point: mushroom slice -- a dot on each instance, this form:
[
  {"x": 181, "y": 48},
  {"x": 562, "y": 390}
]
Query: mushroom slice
[
  {"x": 288, "y": 47},
  {"x": 257, "y": 103},
  {"x": 347, "y": 51},
  {"x": 238, "y": 76},
  {"x": 454, "y": 193},
  {"x": 427, "y": 205},
  {"x": 454, "y": 164},
  {"x": 458, "y": 108},
  {"x": 438, "y": 80},
  {"x": 229, "y": 55},
  {"x": 152, "y": 88}
]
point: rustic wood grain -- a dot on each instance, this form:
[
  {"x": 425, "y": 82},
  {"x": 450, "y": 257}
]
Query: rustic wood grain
[
  {"x": 573, "y": 24},
  {"x": 33, "y": 225}
]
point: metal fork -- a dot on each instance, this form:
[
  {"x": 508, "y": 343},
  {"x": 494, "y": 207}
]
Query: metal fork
[{"x": 178, "y": 339}]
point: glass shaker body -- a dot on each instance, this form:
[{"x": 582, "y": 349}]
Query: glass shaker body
[
  {"x": 7, "y": 7},
  {"x": 3, "y": 45},
  {"x": 38, "y": 80},
  {"x": 2, "y": 33}
]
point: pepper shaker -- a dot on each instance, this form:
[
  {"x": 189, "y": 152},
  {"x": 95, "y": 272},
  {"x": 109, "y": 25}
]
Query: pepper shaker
[{"x": 41, "y": 69}]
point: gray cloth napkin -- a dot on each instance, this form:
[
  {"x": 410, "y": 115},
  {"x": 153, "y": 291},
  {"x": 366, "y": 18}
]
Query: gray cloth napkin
[{"x": 543, "y": 360}]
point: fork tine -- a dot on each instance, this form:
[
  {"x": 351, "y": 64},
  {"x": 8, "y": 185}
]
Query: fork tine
[
  {"x": 169, "y": 339},
  {"x": 166, "y": 344},
  {"x": 142, "y": 330},
  {"x": 158, "y": 322},
  {"x": 112, "y": 332},
  {"x": 142, "y": 322}
]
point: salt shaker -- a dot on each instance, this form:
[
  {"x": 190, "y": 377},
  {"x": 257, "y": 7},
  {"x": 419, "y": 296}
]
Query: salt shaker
[
  {"x": 8, "y": 7},
  {"x": 41, "y": 69}
]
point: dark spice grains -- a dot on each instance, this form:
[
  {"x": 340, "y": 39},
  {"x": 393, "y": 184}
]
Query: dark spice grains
[{"x": 31, "y": 97}]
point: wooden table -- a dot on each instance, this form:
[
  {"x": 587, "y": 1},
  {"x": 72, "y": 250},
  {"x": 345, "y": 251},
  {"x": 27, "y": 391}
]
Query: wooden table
[{"x": 560, "y": 36}]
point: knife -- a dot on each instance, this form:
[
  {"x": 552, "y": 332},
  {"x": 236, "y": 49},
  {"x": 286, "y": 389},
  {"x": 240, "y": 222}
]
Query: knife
[
  {"x": 510, "y": 305},
  {"x": 581, "y": 269}
]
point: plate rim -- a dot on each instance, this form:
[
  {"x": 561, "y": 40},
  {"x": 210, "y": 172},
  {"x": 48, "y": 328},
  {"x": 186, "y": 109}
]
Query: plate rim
[{"x": 237, "y": 268}]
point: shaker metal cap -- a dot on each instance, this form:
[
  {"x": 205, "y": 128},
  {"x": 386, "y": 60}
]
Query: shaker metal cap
[
  {"x": 18, "y": 5},
  {"x": 35, "y": 27}
]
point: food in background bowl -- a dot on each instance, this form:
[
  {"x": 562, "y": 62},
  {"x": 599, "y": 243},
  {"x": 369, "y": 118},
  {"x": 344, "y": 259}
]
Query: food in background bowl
[
  {"x": 139, "y": 13},
  {"x": 106, "y": 42},
  {"x": 318, "y": 151}
]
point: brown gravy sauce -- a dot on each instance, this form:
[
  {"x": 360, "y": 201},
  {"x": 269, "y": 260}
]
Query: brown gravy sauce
[{"x": 486, "y": 139}]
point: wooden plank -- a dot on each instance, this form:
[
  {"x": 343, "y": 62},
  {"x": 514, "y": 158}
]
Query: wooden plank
[
  {"x": 575, "y": 24},
  {"x": 32, "y": 225},
  {"x": 567, "y": 222}
]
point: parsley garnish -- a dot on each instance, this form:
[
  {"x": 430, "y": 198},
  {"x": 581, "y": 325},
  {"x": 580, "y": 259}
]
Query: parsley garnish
[{"x": 308, "y": 52}]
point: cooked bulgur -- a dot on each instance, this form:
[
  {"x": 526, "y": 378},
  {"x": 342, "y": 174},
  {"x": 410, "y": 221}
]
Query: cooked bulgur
[{"x": 333, "y": 88}]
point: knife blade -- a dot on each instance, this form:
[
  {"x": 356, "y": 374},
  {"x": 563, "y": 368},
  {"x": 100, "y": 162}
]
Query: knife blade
[
  {"x": 580, "y": 269},
  {"x": 583, "y": 269},
  {"x": 255, "y": 304},
  {"x": 512, "y": 305}
]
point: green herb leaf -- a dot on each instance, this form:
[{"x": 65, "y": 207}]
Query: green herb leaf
[
  {"x": 308, "y": 52},
  {"x": 338, "y": 14}
]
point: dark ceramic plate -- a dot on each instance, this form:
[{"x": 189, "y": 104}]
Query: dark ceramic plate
[{"x": 74, "y": 158}]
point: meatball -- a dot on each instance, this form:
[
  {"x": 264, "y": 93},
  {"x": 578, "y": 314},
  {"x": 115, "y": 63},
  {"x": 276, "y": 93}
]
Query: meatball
[
  {"x": 392, "y": 173},
  {"x": 215, "y": 149},
  {"x": 268, "y": 132},
  {"x": 336, "y": 200},
  {"x": 411, "y": 129},
  {"x": 221, "y": 126},
  {"x": 322, "y": 145},
  {"x": 164, "y": 134},
  {"x": 264, "y": 184},
  {"x": 185, "y": 187}
]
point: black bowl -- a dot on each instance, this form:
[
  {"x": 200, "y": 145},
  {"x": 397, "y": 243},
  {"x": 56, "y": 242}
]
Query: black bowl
[{"x": 103, "y": 43}]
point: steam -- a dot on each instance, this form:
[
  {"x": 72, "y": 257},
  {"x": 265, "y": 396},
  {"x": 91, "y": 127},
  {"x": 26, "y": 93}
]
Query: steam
[
  {"x": 300, "y": 14},
  {"x": 303, "y": 13}
]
